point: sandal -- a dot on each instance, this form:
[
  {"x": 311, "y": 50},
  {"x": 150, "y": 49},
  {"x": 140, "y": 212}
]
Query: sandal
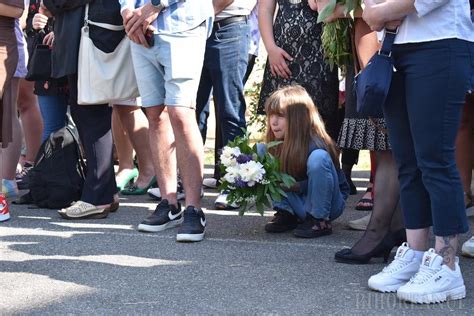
[
  {"x": 127, "y": 179},
  {"x": 84, "y": 210},
  {"x": 135, "y": 190},
  {"x": 362, "y": 204}
]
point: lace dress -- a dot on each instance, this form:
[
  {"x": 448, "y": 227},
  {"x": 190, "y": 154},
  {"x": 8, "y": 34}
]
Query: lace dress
[{"x": 296, "y": 31}]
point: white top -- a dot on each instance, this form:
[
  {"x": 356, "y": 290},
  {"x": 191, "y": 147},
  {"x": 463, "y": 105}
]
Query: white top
[
  {"x": 436, "y": 20},
  {"x": 238, "y": 7}
]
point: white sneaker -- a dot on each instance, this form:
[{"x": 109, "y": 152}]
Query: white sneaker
[
  {"x": 359, "y": 224},
  {"x": 210, "y": 183},
  {"x": 222, "y": 204},
  {"x": 397, "y": 273},
  {"x": 468, "y": 248},
  {"x": 434, "y": 282}
]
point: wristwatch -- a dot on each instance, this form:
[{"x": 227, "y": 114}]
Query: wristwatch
[{"x": 157, "y": 4}]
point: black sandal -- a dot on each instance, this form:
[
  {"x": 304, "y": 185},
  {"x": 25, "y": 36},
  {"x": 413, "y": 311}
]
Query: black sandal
[{"x": 360, "y": 207}]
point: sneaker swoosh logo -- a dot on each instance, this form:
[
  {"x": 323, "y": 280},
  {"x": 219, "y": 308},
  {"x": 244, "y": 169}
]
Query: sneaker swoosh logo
[
  {"x": 173, "y": 216},
  {"x": 203, "y": 222}
]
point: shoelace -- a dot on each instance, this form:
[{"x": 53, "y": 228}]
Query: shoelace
[
  {"x": 24, "y": 171},
  {"x": 396, "y": 265},
  {"x": 423, "y": 275}
]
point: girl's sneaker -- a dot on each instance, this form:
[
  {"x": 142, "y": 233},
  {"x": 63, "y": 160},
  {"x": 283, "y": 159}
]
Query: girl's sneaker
[
  {"x": 9, "y": 188},
  {"x": 435, "y": 282},
  {"x": 4, "y": 212}
]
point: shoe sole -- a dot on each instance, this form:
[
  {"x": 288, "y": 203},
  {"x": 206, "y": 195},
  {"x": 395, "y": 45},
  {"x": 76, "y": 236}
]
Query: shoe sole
[
  {"x": 357, "y": 226},
  {"x": 4, "y": 218},
  {"x": 385, "y": 288},
  {"x": 350, "y": 261},
  {"x": 463, "y": 252},
  {"x": 95, "y": 214},
  {"x": 158, "y": 228},
  {"x": 454, "y": 294},
  {"x": 189, "y": 237},
  {"x": 225, "y": 207}
]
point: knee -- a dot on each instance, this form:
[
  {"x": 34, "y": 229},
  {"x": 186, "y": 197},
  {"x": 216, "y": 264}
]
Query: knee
[{"x": 318, "y": 161}]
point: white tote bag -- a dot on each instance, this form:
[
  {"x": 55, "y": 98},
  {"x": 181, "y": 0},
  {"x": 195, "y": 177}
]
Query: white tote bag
[{"x": 104, "y": 77}]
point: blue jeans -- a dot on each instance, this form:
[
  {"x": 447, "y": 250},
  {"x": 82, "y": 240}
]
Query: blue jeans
[
  {"x": 53, "y": 111},
  {"x": 423, "y": 112},
  {"x": 225, "y": 64},
  {"x": 323, "y": 198}
]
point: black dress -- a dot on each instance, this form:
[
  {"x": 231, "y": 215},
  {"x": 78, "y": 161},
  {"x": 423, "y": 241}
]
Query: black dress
[{"x": 295, "y": 30}]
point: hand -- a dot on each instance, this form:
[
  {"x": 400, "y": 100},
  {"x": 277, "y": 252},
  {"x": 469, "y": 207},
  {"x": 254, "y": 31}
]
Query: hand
[
  {"x": 126, "y": 16},
  {"x": 49, "y": 39},
  {"x": 43, "y": 10},
  {"x": 139, "y": 38},
  {"x": 392, "y": 25},
  {"x": 372, "y": 17},
  {"x": 39, "y": 21},
  {"x": 142, "y": 18},
  {"x": 277, "y": 58}
]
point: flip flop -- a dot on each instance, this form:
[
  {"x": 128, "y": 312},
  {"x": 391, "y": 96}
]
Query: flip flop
[{"x": 134, "y": 190}]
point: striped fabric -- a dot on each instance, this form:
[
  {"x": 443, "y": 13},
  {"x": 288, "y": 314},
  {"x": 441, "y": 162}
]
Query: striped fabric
[{"x": 181, "y": 15}]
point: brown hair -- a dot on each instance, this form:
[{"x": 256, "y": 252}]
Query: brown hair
[{"x": 303, "y": 125}]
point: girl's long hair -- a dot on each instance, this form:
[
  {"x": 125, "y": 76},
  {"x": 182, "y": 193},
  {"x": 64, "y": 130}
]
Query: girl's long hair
[{"x": 303, "y": 126}]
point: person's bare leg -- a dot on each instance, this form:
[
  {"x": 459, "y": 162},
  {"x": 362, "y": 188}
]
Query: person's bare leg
[
  {"x": 9, "y": 156},
  {"x": 446, "y": 247},
  {"x": 418, "y": 238},
  {"x": 135, "y": 124},
  {"x": 163, "y": 150},
  {"x": 123, "y": 147},
  {"x": 30, "y": 115},
  {"x": 465, "y": 147},
  {"x": 189, "y": 152}
]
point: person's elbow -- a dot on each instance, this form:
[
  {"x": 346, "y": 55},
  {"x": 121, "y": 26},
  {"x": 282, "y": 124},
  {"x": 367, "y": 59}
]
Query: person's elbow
[{"x": 423, "y": 7}]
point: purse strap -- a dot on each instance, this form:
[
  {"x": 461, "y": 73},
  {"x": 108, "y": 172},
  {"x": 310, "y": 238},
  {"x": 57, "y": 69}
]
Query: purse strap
[
  {"x": 110, "y": 27},
  {"x": 387, "y": 43}
]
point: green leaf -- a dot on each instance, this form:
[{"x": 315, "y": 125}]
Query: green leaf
[
  {"x": 327, "y": 11},
  {"x": 273, "y": 143}
]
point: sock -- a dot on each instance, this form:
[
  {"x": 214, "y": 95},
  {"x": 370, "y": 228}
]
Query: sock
[{"x": 418, "y": 255}]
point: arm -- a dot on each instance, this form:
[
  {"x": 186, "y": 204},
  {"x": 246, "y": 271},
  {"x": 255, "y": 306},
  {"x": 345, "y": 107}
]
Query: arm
[
  {"x": 277, "y": 57},
  {"x": 10, "y": 11},
  {"x": 378, "y": 14},
  {"x": 23, "y": 18},
  {"x": 220, "y": 5}
]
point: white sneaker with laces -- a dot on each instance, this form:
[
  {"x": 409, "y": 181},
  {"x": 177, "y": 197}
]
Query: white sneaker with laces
[
  {"x": 359, "y": 224},
  {"x": 221, "y": 203},
  {"x": 210, "y": 183},
  {"x": 468, "y": 248},
  {"x": 435, "y": 282},
  {"x": 397, "y": 273}
]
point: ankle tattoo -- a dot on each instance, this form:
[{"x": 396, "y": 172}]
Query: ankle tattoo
[{"x": 447, "y": 251}]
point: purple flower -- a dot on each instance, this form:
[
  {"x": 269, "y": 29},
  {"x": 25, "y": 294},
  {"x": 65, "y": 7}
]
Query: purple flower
[
  {"x": 243, "y": 158},
  {"x": 239, "y": 183}
]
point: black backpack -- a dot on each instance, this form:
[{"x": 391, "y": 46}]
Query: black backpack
[{"x": 57, "y": 177}]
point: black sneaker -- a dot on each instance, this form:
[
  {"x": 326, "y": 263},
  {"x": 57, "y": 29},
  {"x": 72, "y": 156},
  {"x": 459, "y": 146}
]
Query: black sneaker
[
  {"x": 165, "y": 216},
  {"x": 281, "y": 222},
  {"x": 22, "y": 177},
  {"x": 313, "y": 227},
  {"x": 193, "y": 226}
]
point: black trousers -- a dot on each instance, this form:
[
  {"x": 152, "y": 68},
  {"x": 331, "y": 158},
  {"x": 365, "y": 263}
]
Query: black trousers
[{"x": 94, "y": 123}]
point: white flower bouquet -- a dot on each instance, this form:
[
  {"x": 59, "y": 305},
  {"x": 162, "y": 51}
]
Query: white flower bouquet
[{"x": 252, "y": 175}]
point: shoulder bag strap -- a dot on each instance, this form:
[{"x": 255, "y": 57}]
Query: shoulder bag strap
[{"x": 110, "y": 27}]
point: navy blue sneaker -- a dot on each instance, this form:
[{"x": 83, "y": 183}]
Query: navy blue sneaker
[
  {"x": 165, "y": 216},
  {"x": 193, "y": 226}
]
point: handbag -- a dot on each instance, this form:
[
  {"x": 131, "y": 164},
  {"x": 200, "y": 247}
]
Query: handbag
[
  {"x": 39, "y": 64},
  {"x": 373, "y": 82},
  {"x": 104, "y": 77}
]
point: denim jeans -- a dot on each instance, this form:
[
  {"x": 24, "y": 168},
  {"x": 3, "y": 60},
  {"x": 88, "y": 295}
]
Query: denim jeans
[
  {"x": 423, "y": 112},
  {"x": 225, "y": 64},
  {"x": 53, "y": 111},
  {"x": 323, "y": 198}
]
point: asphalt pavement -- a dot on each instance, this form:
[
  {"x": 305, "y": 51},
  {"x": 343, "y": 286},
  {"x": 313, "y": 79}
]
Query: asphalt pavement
[{"x": 49, "y": 265}]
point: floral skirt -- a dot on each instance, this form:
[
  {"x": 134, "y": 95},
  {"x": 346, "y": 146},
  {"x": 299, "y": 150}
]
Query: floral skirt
[{"x": 362, "y": 133}]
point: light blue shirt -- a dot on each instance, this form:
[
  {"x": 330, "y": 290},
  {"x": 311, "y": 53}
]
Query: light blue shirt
[{"x": 178, "y": 15}]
